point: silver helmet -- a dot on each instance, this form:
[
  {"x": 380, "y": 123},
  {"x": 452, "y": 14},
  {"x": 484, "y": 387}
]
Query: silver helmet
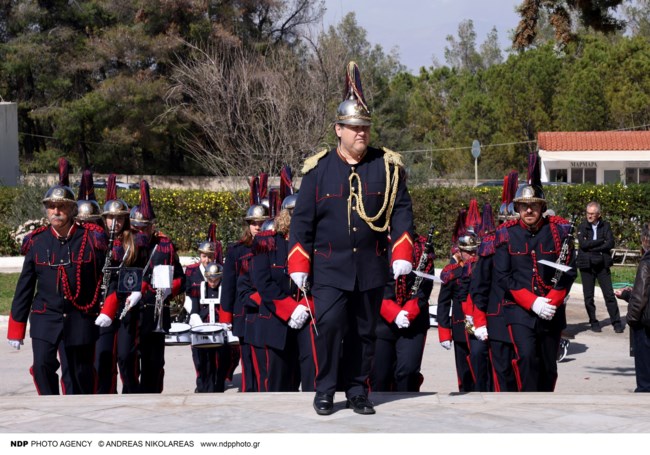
[
  {"x": 289, "y": 202},
  {"x": 353, "y": 110},
  {"x": 60, "y": 193},
  {"x": 269, "y": 225},
  {"x": 88, "y": 210},
  {"x": 213, "y": 271},
  {"x": 207, "y": 247},
  {"x": 257, "y": 212},
  {"x": 529, "y": 193},
  {"x": 115, "y": 207},
  {"x": 469, "y": 241}
]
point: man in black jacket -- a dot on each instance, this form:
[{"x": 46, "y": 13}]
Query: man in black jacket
[{"x": 594, "y": 261}]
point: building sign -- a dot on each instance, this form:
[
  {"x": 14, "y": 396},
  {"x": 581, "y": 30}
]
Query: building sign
[{"x": 581, "y": 164}]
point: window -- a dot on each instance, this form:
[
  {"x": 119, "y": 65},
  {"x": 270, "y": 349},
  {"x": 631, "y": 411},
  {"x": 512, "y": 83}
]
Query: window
[
  {"x": 637, "y": 175},
  {"x": 612, "y": 176},
  {"x": 583, "y": 175},
  {"x": 558, "y": 175}
]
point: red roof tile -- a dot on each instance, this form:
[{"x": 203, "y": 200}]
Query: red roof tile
[{"x": 594, "y": 140}]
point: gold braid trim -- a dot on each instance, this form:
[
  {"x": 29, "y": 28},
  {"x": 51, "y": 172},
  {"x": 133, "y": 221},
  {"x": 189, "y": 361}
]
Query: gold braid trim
[
  {"x": 390, "y": 193},
  {"x": 312, "y": 161}
]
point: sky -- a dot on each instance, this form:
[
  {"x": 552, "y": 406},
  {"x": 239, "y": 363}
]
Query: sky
[{"x": 419, "y": 27}]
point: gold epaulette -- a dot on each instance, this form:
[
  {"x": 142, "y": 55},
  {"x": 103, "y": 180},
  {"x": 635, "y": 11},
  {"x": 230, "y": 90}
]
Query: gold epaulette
[
  {"x": 312, "y": 161},
  {"x": 392, "y": 157}
]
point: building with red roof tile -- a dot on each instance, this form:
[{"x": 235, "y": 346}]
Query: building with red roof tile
[{"x": 595, "y": 156}]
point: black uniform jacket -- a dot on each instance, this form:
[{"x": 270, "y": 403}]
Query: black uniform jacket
[
  {"x": 279, "y": 295},
  {"x": 455, "y": 278},
  {"x": 232, "y": 306},
  {"x": 328, "y": 237},
  {"x": 594, "y": 252},
  {"x": 486, "y": 294},
  {"x": 398, "y": 296},
  {"x": 59, "y": 286},
  {"x": 637, "y": 311},
  {"x": 521, "y": 275}
]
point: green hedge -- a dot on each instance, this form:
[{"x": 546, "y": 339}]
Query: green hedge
[{"x": 185, "y": 215}]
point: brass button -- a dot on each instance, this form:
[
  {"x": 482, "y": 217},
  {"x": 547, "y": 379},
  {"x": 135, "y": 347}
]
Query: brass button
[
  {"x": 354, "y": 250},
  {"x": 327, "y": 195},
  {"x": 354, "y": 229},
  {"x": 354, "y": 208}
]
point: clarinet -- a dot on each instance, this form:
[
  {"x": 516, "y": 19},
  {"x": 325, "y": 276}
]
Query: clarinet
[
  {"x": 567, "y": 247},
  {"x": 428, "y": 248},
  {"x": 106, "y": 270}
]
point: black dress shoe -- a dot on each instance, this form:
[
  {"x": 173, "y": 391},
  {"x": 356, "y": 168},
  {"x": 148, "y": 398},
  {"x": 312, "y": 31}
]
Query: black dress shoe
[
  {"x": 323, "y": 404},
  {"x": 618, "y": 328},
  {"x": 361, "y": 405},
  {"x": 595, "y": 327}
]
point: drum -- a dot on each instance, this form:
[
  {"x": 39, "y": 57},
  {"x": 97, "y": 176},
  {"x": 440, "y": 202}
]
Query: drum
[
  {"x": 208, "y": 336},
  {"x": 433, "y": 315},
  {"x": 179, "y": 335}
]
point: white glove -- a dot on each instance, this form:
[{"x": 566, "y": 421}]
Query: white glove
[
  {"x": 446, "y": 344},
  {"x": 543, "y": 309},
  {"x": 195, "y": 320},
  {"x": 300, "y": 278},
  {"x": 133, "y": 299},
  {"x": 226, "y": 326},
  {"x": 469, "y": 318},
  {"x": 15, "y": 344},
  {"x": 103, "y": 321},
  {"x": 187, "y": 304},
  {"x": 299, "y": 316},
  {"x": 401, "y": 267},
  {"x": 481, "y": 333},
  {"x": 401, "y": 320}
]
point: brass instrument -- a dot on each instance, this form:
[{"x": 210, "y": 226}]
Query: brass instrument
[
  {"x": 158, "y": 310},
  {"x": 107, "y": 272}
]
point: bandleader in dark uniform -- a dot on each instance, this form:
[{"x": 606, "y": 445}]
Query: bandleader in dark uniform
[
  {"x": 534, "y": 292},
  {"x": 349, "y": 197},
  {"x": 58, "y": 291}
]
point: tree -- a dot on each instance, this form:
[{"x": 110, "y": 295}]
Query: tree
[
  {"x": 594, "y": 14},
  {"x": 461, "y": 54}
]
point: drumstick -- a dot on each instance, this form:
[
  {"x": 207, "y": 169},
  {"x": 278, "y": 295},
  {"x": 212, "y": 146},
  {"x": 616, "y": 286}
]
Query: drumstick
[{"x": 304, "y": 294}]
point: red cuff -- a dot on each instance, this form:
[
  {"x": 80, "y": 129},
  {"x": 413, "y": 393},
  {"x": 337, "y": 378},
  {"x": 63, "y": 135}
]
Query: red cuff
[
  {"x": 176, "y": 287},
  {"x": 16, "y": 329},
  {"x": 403, "y": 248},
  {"x": 284, "y": 307},
  {"x": 389, "y": 310},
  {"x": 557, "y": 296},
  {"x": 480, "y": 318},
  {"x": 299, "y": 260},
  {"x": 225, "y": 317},
  {"x": 110, "y": 306},
  {"x": 444, "y": 334},
  {"x": 256, "y": 297},
  {"x": 413, "y": 309},
  {"x": 524, "y": 298}
]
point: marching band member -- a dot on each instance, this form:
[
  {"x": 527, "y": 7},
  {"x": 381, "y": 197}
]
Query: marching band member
[
  {"x": 58, "y": 291},
  {"x": 348, "y": 199},
  {"x": 233, "y": 308},
  {"x": 116, "y": 348},
  {"x": 487, "y": 295},
  {"x": 403, "y": 326},
  {"x": 202, "y": 282},
  {"x": 534, "y": 292},
  {"x": 282, "y": 332},
  {"x": 471, "y": 353}
]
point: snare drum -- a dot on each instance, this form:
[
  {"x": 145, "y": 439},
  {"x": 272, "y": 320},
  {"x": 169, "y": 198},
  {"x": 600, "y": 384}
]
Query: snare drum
[
  {"x": 179, "y": 335},
  {"x": 208, "y": 336}
]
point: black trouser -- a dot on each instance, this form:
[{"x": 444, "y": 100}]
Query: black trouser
[
  {"x": 128, "y": 358},
  {"x": 81, "y": 371},
  {"x": 535, "y": 357},
  {"x": 604, "y": 277},
  {"x": 345, "y": 343},
  {"x": 106, "y": 358},
  {"x": 152, "y": 362},
  {"x": 397, "y": 363},
  {"x": 248, "y": 375},
  {"x": 641, "y": 341},
  {"x": 212, "y": 366},
  {"x": 502, "y": 355}
]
